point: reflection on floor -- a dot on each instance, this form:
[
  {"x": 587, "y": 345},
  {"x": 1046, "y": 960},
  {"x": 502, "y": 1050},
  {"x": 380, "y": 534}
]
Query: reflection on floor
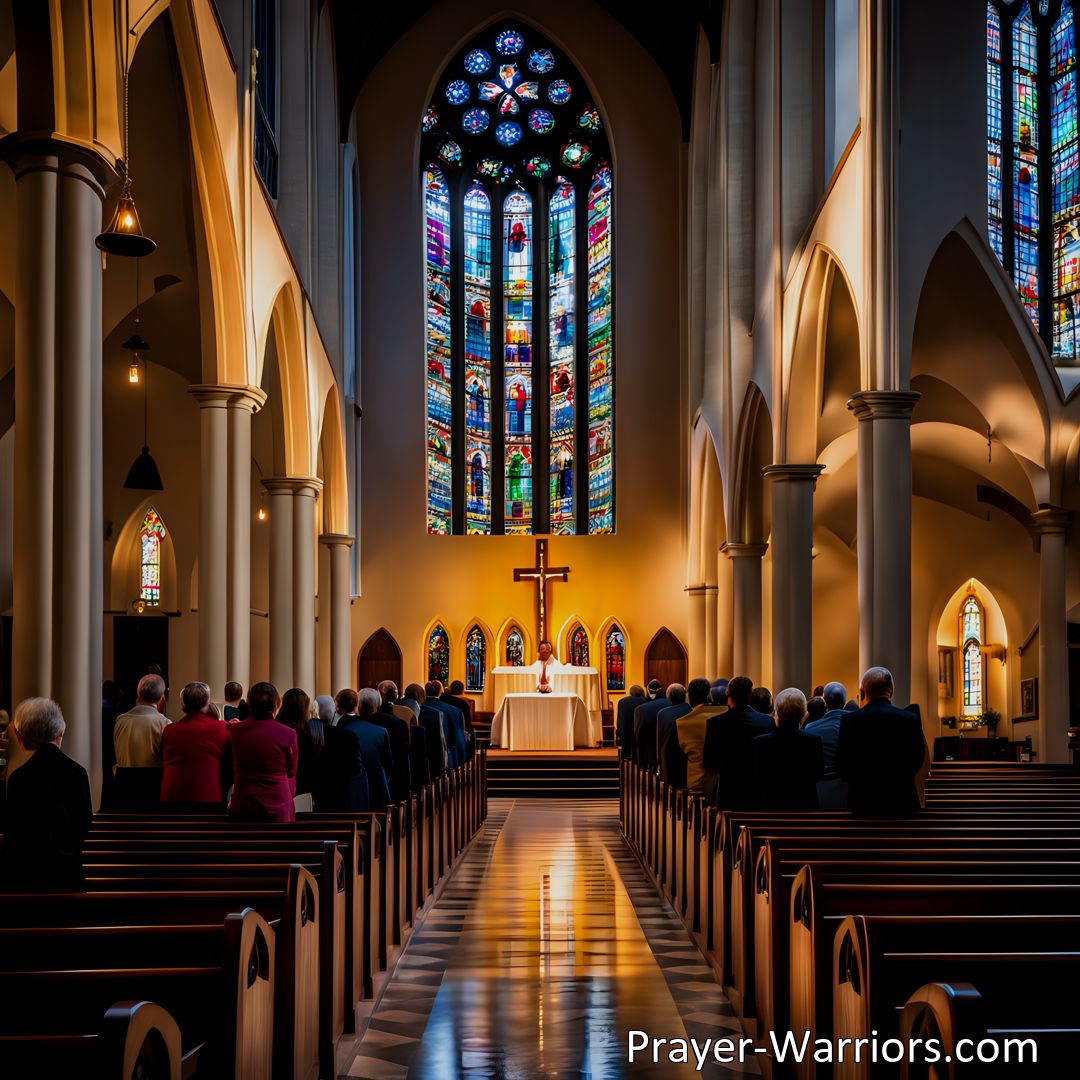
[{"x": 545, "y": 950}]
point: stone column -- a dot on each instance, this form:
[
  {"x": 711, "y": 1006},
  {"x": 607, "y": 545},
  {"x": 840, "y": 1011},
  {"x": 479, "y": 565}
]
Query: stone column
[
  {"x": 243, "y": 401},
  {"x": 746, "y": 607},
  {"x": 697, "y": 651},
  {"x": 793, "y": 573},
  {"x": 1051, "y": 524},
  {"x": 57, "y": 504},
  {"x": 711, "y": 629},
  {"x": 341, "y": 673},
  {"x": 884, "y": 532},
  {"x": 214, "y": 526},
  {"x": 304, "y": 497},
  {"x": 280, "y": 491}
]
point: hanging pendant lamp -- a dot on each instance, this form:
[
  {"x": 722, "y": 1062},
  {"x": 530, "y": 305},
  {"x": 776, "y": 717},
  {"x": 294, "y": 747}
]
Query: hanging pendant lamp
[
  {"x": 143, "y": 474},
  {"x": 124, "y": 235}
]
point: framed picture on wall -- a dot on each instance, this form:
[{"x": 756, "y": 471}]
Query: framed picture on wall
[
  {"x": 946, "y": 659},
  {"x": 1029, "y": 699}
]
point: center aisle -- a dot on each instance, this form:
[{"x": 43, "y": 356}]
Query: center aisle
[{"x": 546, "y": 948}]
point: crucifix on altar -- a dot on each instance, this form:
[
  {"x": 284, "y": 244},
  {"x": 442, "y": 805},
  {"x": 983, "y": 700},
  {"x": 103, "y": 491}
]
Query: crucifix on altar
[{"x": 543, "y": 575}]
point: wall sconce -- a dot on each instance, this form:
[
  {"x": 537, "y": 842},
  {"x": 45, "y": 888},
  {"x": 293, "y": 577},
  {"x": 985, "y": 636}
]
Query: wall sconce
[{"x": 261, "y": 515}]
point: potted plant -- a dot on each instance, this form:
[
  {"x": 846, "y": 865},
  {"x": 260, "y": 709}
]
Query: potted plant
[{"x": 990, "y": 718}]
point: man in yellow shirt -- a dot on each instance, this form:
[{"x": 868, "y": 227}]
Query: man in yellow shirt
[{"x": 691, "y": 730}]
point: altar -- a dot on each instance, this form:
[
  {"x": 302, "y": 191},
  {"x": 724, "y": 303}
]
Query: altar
[{"x": 556, "y": 721}]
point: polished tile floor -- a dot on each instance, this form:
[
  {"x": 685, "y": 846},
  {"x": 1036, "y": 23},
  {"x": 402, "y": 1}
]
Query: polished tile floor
[{"x": 546, "y": 948}]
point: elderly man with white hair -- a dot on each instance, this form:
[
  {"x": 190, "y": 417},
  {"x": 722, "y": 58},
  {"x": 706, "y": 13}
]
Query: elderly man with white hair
[
  {"x": 48, "y": 809},
  {"x": 788, "y": 762},
  {"x": 356, "y": 713},
  {"x": 137, "y": 741}
]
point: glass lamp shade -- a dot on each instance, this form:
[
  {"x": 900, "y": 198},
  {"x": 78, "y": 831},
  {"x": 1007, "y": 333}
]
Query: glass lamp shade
[
  {"x": 143, "y": 474},
  {"x": 133, "y": 372},
  {"x": 124, "y": 235}
]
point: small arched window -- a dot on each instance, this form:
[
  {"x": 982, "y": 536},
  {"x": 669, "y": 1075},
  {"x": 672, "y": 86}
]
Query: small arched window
[
  {"x": 579, "y": 647},
  {"x": 151, "y": 537},
  {"x": 615, "y": 657},
  {"x": 515, "y": 648},
  {"x": 971, "y": 638},
  {"x": 438, "y": 655},
  {"x": 475, "y": 660}
]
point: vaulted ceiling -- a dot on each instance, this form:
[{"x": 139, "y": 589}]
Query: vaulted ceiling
[{"x": 366, "y": 32}]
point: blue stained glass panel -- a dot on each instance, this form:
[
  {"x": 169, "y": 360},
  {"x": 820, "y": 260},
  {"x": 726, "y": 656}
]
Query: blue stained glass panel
[
  {"x": 541, "y": 61},
  {"x": 559, "y": 92},
  {"x": 475, "y": 121},
  {"x": 489, "y": 91},
  {"x": 562, "y": 272},
  {"x": 151, "y": 537},
  {"x": 515, "y": 648},
  {"x": 477, "y": 236},
  {"x": 508, "y": 133},
  {"x": 458, "y": 92},
  {"x": 438, "y": 343},
  {"x": 518, "y": 359},
  {"x": 528, "y": 91},
  {"x": 438, "y": 656},
  {"x": 510, "y": 42},
  {"x": 477, "y": 61},
  {"x": 475, "y": 661},
  {"x": 615, "y": 650},
  {"x": 601, "y": 356},
  {"x": 541, "y": 121}
]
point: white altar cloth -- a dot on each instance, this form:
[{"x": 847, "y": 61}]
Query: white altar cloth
[
  {"x": 544, "y": 722},
  {"x": 582, "y": 681}
]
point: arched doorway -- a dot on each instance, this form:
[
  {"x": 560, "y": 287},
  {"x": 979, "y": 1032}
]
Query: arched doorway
[
  {"x": 665, "y": 659},
  {"x": 379, "y": 659}
]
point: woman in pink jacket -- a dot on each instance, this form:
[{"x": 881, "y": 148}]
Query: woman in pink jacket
[{"x": 264, "y": 755}]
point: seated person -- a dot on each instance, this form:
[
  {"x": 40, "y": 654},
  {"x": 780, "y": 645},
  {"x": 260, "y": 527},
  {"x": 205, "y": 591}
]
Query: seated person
[
  {"x": 669, "y": 755},
  {"x": 727, "y": 746},
  {"x": 624, "y": 720},
  {"x": 691, "y": 733},
  {"x": 788, "y": 762},
  {"x": 355, "y": 714},
  {"x": 827, "y": 728}
]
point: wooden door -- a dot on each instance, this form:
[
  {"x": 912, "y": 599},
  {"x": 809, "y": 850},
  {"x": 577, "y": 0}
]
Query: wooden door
[
  {"x": 379, "y": 659},
  {"x": 665, "y": 659},
  {"x": 138, "y": 642}
]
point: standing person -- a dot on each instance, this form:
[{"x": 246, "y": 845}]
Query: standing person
[
  {"x": 624, "y": 720},
  {"x": 761, "y": 700},
  {"x": 235, "y": 707},
  {"x": 419, "y": 763},
  {"x": 137, "y": 744},
  {"x": 692, "y": 733},
  {"x": 432, "y": 722},
  {"x": 645, "y": 717},
  {"x": 374, "y": 741},
  {"x": 455, "y": 695},
  {"x": 453, "y": 723},
  {"x": 788, "y": 762},
  {"x": 326, "y": 710},
  {"x": 880, "y": 751},
  {"x": 827, "y": 728},
  {"x": 400, "y": 735},
  {"x": 48, "y": 811},
  {"x": 264, "y": 755},
  {"x": 297, "y": 713},
  {"x": 544, "y": 667},
  {"x": 670, "y": 758},
  {"x": 195, "y": 753},
  {"x": 727, "y": 745}
]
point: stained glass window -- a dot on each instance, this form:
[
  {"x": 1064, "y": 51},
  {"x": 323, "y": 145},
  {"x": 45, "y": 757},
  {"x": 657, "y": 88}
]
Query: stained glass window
[
  {"x": 151, "y": 536},
  {"x": 519, "y": 388},
  {"x": 439, "y": 411},
  {"x": 971, "y": 634},
  {"x": 438, "y": 655},
  {"x": 475, "y": 660},
  {"x": 515, "y": 648},
  {"x": 601, "y": 428},
  {"x": 1031, "y": 138},
  {"x": 615, "y": 655},
  {"x": 579, "y": 647}
]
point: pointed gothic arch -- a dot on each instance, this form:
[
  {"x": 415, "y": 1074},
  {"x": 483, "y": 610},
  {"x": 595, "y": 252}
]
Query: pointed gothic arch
[
  {"x": 518, "y": 626},
  {"x": 379, "y": 658},
  {"x": 613, "y": 664},
  {"x": 561, "y": 641},
  {"x": 665, "y": 659}
]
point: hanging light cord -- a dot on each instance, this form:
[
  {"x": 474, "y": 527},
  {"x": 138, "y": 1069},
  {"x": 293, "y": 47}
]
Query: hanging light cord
[{"x": 127, "y": 70}]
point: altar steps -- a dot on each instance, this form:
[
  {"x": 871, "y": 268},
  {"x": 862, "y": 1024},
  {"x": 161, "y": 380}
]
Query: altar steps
[{"x": 581, "y": 774}]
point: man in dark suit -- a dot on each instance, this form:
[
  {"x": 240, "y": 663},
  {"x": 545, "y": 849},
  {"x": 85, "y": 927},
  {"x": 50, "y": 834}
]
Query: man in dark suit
[
  {"x": 669, "y": 755},
  {"x": 374, "y": 741},
  {"x": 48, "y": 811},
  {"x": 454, "y": 695},
  {"x": 398, "y": 731},
  {"x": 788, "y": 762},
  {"x": 645, "y": 727},
  {"x": 880, "y": 751},
  {"x": 624, "y": 720},
  {"x": 827, "y": 729},
  {"x": 453, "y": 723},
  {"x": 727, "y": 746},
  {"x": 438, "y": 754},
  {"x": 691, "y": 733}
]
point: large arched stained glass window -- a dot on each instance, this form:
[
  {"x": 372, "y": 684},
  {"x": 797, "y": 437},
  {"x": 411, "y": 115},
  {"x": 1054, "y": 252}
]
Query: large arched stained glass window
[
  {"x": 615, "y": 657},
  {"x": 151, "y": 536},
  {"x": 1033, "y": 170},
  {"x": 515, "y": 648},
  {"x": 579, "y": 646},
  {"x": 438, "y": 655},
  {"x": 971, "y": 637},
  {"x": 520, "y": 357},
  {"x": 475, "y": 660}
]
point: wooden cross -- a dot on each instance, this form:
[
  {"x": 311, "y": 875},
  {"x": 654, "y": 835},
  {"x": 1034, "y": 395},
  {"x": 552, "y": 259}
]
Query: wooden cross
[{"x": 542, "y": 574}]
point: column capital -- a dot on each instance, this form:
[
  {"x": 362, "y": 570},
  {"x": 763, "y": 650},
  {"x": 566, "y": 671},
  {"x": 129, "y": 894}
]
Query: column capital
[
  {"x": 786, "y": 473},
  {"x": 883, "y": 404},
  {"x": 292, "y": 485},
  {"x": 337, "y": 540},
  {"x": 1050, "y": 520},
  {"x": 735, "y": 550},
  {"x": 33, "y": 151},
  {"x": 222, "y": 395}
]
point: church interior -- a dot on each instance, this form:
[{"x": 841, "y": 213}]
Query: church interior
[{"x": 512, "y": 392}]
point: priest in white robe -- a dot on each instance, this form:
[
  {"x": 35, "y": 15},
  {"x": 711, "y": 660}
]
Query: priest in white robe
[{"x": 545, "y": 667}]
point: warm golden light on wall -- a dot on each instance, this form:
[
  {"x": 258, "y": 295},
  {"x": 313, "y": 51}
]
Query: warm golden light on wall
[{"x": 262, "y": 513}]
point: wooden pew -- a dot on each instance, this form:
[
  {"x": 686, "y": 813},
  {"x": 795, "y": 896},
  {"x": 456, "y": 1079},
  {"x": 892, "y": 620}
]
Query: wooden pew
[
  {"x": 291, "y": 908},
  {"x": 215, "y": 984},
  {"x": 134, "y": 1038}
]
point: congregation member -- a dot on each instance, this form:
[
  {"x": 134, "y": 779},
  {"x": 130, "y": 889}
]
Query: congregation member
[
  {"x": 137, "y": 747},
  {"x": 47, "y": 811},
  {"x": 264, "y": 756},
  {"x": 419, "y": 768},
  {"x": 645, "y": 727},
  {"x": 728, "y": 745},
  {"x": 761, "y": 700},
  {"x": 880, "y": 752},
  {"x": 330, "y": 767},
  {"x": 827, "y": 728},
  {"x": 453, "y": 723},
  {"x": 431, "y": 720},
  {"x": 669, "y": 756},
  {"x": 399, "y": 733},
  {"x": 455, "y": 695},
  {"x": 654, "y": 689},
  {"x": 325, "y": 709},
  {"x": 691, "y": 732},
  {"x": 718, "y": 692},
  {"x": 624, "y": 720},
  {"x": 815, "y": 709},
  {"x": 788, "y": 762},
  {"x": 235, "y": 707},
  {"x": 296, "y": 712},
  {"x": 356, "y": 714},
  {"x": 195, "y": 755}
]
